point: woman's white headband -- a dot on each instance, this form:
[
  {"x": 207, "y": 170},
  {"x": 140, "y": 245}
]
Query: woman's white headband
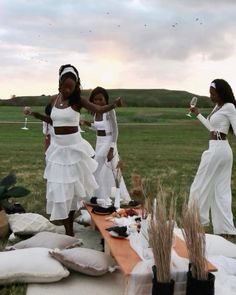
[
  {"x": 69, "y": 70},
  {"x": 213, "y": 85}
]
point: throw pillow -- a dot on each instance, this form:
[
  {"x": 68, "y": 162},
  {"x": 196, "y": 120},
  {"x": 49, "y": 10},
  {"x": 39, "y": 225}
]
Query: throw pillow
[
  {"x": 30, "y": 265},
  {"x": 217, "y": 245},
  {"x": 48, "y": 240},
  {"x": 87, "y": 261},
  {"x": 29, "y": 223}
]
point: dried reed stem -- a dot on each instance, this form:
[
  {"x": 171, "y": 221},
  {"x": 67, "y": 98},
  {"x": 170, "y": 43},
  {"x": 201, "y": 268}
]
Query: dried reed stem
[
  {"x": 194, "y": 236},
  {"x": 160, "y": 232}
]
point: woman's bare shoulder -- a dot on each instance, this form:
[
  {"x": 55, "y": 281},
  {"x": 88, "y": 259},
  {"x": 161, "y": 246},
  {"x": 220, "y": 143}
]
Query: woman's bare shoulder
[{"x": 53, "y": 99}]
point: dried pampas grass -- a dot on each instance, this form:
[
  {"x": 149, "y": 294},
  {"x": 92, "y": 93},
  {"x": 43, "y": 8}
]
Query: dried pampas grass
[
  {"x": 194, "y": 236},
  {"x": 160, "y": 233}
]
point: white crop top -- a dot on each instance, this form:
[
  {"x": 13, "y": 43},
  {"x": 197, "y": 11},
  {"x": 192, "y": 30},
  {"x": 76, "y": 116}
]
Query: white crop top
[
  {"x": 100, "y": 125},
  {"x": 109, "y": 124},
  {"x": 64, "y": 117},
  {"x": 221, "y": 120}
]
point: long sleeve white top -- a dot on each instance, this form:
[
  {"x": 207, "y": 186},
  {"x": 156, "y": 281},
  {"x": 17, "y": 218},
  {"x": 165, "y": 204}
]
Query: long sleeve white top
[
  {"x": 221, "y": 119},
  {"x": 109, "y": 124}
]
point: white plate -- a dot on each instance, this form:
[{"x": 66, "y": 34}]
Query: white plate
[{"x": 115, "y": 235}]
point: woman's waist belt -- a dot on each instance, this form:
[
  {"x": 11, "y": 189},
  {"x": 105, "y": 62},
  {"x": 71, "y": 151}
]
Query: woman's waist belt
[
  {"x": 216, "y": 135},
  {"x": 103, "y": 133}
]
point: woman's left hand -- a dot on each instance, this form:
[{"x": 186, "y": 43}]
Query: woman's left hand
[
  {"x": 118, "y": 102},
  {"x": 110, "y": 155}
]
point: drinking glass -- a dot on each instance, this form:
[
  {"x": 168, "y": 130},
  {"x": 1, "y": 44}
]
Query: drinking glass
[
  {"x": 26, "y": 119},
  {"x": 193, "y": 103}
]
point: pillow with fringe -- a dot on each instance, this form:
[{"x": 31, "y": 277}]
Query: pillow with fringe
[{"x": 86, "y": 261}]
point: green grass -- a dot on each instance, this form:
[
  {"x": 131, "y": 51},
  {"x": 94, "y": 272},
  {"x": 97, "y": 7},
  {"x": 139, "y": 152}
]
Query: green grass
[{"x": 169, "y": 148}]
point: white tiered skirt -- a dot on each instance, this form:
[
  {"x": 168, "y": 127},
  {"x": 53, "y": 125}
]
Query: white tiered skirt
[{"x": 69, "y": 173}]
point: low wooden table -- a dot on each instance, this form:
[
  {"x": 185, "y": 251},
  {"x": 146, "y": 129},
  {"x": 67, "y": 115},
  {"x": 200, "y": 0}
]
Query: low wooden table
[{"x": 121, "y": 250}]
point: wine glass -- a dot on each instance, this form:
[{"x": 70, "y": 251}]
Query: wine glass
[
  {"x": 26, "y": 119},
  {"x": 193, "y": 103}
]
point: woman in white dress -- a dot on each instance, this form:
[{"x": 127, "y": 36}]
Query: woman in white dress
[
  {"x": 48, "y": 131},
  {"x": 69, "y": 168},
  {"x": 212, "y": 184},
  {"x": 106, "y": 153}
]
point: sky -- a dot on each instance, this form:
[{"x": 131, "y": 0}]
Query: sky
[{"x": 144, "y": 44}]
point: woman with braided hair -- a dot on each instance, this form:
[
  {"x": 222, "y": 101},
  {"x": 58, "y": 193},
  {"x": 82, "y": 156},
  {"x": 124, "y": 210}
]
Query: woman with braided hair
[{"x": 69, "y": 168}]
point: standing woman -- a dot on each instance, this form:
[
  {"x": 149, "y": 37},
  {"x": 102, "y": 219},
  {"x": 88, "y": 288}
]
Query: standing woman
[
  {"x": 212, "y": 184},
  {"x": 106, "y": 153},
  {"x": 69, "y": 169}
]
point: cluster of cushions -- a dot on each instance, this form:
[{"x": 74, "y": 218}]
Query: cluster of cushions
[{"x": 47, "y": 256}]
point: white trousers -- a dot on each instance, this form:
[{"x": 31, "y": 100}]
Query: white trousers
[
  {"x": 212, "y": 187},
  {"x": 104, "y": 173}
]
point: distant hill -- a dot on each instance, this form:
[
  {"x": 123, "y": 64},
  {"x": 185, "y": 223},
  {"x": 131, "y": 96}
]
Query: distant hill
[{"x": 131, "y": 97}]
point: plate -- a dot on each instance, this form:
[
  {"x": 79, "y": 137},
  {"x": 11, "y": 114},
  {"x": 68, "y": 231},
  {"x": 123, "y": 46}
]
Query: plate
[
  {"x": 115, "y": 235},
  {"x": 127, "y": 206},
  {"x": 91, "y": 204},
  {"x": 101, "y": 213}
]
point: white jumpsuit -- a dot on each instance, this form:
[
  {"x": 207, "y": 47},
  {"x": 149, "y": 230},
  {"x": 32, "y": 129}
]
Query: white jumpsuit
[
  {"x": 212, "y": 184},
  {"x": 104, "y": 174}
]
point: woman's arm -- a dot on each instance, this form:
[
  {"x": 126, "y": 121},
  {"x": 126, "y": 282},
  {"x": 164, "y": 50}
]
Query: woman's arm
[
  {"x": 200, "y": 117},
  {"x": 28, "y": 112},
  {"x": 231, "y": 112},
  {"x": 204, "y": 121},
  {"x": 114, "y": 134},
  {"x": 114, "y": 128},
  {"x": 100, "y": 109}
]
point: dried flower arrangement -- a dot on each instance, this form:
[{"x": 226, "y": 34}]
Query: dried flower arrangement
[
  {"x": 194, "y": 236},
  {"x": 160, "y": 232}
]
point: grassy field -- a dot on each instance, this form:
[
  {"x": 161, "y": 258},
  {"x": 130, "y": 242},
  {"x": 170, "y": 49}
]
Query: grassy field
[{"x": 153, "y": 142}]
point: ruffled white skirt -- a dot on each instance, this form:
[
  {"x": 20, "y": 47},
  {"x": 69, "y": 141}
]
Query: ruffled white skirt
[{"x": 69, "y": 173}]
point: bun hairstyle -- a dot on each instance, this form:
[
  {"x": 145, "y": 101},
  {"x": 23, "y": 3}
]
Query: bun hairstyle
[{"x": 69, "y": 71}]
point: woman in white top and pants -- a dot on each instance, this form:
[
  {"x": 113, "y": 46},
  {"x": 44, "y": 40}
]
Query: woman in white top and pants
[
  {"x": 106, "y": 153},
  {"x": 212, "y": 184}
]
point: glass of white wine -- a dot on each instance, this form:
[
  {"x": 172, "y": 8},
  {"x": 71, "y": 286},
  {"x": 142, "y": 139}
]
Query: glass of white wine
[
  {"x": 26, "y": 119},
  {"x": 193, "y": 103}
]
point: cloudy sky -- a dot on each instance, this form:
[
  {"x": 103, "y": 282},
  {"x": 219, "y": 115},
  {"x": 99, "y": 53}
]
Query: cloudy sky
[{"x": 171, "y": 44}]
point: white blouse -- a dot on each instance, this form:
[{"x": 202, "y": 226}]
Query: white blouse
[
  {"x": 109, "y": 124},
  {"x": 221, "y": 119}
]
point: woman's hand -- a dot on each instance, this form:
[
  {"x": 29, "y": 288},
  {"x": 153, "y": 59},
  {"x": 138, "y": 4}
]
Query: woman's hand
[
  {"x": 110, "y": 155},
  {"x": 118, "y": 102},
  {"x": 27, "y": 111},
  {"x": 194, "y": 110}
]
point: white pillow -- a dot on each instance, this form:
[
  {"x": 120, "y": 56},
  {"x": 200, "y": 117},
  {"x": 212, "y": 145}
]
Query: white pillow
[
  {"x": 48, "y": 240},
  {"x": 30, "y": 265},
  {"x": 29, "y": 223},
  {"x": 87, "y": 261},
  {"x": 216, "y": 245}
]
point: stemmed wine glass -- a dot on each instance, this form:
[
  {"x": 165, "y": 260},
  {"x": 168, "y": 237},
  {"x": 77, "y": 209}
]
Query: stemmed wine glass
[
  {"x": 193, "y": 103},
  {"x": 26, "y": 119}
]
